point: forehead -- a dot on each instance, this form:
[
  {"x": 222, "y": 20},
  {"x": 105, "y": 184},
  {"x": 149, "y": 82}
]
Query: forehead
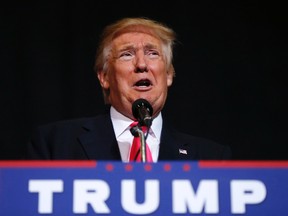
[
  {"x": 137, "y": 40},
  {"x": 136, "y": 29},
  {"x": 136, "y": 32}
]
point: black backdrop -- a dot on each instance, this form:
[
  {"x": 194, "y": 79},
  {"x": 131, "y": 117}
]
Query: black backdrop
[{"x": 230, "y": 63}]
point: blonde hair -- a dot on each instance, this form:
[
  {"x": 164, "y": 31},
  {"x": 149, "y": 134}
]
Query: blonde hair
[{"x": 157, "y": 29}]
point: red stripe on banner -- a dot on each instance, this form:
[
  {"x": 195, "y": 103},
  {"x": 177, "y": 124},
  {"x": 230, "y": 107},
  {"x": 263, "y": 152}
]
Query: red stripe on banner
[
  {"x": 48, "y": 164},
  {"x": 243, "y": 164}
]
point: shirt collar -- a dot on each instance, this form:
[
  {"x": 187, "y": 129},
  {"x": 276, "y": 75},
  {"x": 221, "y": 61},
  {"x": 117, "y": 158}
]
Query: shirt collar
[{"x": 121, "y": 123}]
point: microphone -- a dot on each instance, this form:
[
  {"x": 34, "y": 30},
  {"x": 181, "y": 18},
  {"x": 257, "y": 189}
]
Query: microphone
[{"x": 142, "y": 111}]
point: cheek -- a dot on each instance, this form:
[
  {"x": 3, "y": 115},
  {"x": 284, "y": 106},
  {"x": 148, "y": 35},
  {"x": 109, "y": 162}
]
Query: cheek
[{"x": 119, "y": 81}]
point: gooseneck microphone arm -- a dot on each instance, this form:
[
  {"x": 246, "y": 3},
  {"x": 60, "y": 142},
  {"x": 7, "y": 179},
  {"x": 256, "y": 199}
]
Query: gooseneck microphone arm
[
  {"x": 142, "y": 111},
  {"x": 137, "y": 131}
]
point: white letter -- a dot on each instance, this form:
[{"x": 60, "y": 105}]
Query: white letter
[
  {"x": 184, "y": 197},
  {"x": 45, "y": 188},
  {"x": 93, "y": 192},
  {"x": 246, "y": 192},
  {"x": 128, "y": 197}
]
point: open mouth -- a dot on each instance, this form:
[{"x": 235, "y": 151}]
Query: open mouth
[{"x": 143, "y": 83}]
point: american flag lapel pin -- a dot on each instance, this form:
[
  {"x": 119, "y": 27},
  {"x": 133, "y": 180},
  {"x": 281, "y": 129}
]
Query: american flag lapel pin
[{"x": 182, "y": 151}]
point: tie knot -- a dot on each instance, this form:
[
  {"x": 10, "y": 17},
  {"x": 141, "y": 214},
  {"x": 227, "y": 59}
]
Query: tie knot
[
  {"x": 136, "y": 123},
  {"x": 133, "y": 124}
]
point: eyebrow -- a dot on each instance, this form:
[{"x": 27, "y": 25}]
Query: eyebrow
[{"x": 130, "y": 46}]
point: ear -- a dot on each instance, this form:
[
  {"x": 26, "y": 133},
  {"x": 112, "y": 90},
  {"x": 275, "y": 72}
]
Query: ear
[
  {"x": 170, "y": 76},
  {"x": 103, "y": 79}
]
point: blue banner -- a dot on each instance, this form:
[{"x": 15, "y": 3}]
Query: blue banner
[{"x": 165, "y": 188}]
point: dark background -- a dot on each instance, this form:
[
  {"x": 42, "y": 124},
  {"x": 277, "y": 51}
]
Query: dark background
[{"x": 230, "y": 61}]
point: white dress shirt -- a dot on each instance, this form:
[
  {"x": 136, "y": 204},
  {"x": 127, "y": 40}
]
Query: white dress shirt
[{"x": 124, "y": 137}]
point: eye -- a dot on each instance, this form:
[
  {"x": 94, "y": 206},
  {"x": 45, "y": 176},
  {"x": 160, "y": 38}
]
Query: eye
[
  {"x": 127, "y": 55},
  {"x": 153, "y": 54}
]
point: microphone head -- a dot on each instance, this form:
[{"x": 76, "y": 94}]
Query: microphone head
[{"x": 142, "y": 111}]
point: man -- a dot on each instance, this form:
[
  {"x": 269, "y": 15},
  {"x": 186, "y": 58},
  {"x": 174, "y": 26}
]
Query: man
[{"x": 133, "y": 61}]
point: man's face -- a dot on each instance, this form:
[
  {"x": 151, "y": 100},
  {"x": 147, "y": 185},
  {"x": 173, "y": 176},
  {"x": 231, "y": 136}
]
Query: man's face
[{"x": 137, "y": 69}]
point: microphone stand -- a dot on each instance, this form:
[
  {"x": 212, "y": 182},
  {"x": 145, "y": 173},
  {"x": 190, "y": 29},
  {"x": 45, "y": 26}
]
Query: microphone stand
[{"x": 143, "y": 143}]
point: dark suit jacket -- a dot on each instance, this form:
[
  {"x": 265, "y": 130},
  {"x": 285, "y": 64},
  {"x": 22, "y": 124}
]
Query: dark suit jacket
[{"x": 93, "y": 138}]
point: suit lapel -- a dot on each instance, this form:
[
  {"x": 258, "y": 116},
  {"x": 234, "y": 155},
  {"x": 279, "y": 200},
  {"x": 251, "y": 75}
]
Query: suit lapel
[
  {"x": 173, "y": 146},
  {"x": 99, "y": 141}
]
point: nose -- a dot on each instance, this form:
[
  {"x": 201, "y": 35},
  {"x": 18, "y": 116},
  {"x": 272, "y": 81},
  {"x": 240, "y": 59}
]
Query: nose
[{"x": 140, "y": 64}]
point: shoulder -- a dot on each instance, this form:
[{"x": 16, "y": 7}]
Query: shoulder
[
  {"x": 72, "y": 127},
  {"x": 76, "y": 122}
]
